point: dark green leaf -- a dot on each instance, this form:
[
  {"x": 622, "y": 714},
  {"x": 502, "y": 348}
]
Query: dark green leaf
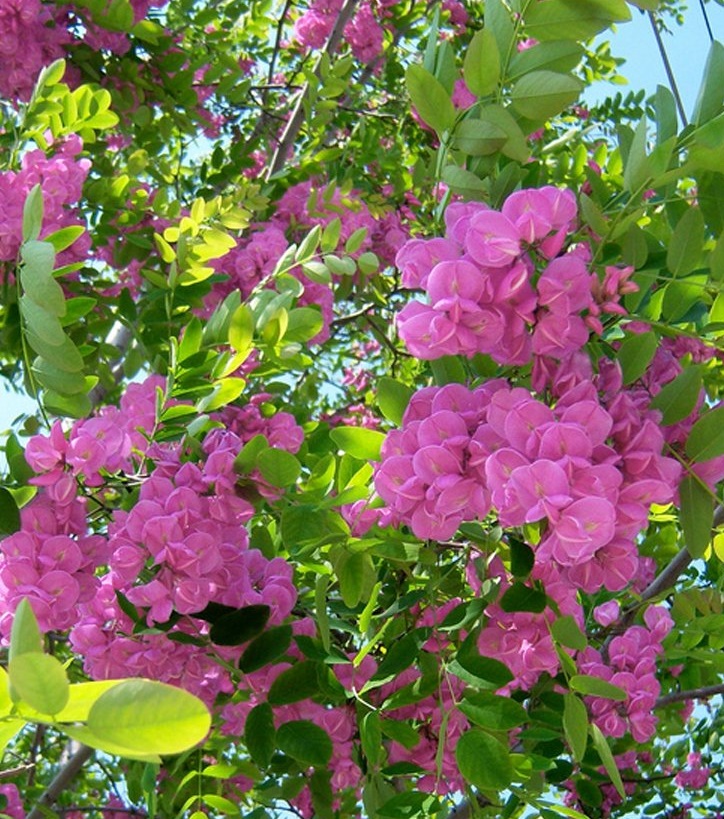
[
  {"x": 483, "y": 761},
  {"x": 266, "y": 648},
  {"x": 278, "y": 467},
  {"x": 635, "y": 355},
  {"x": 678, "y": 399},
  {"x": 260, "y": 735},
  {"x": 491, "y": 711},
  {"x": 596, "y": 687},
  {"x": 520, "y": 597},
  {"x": 609, "y": 763},
  {"x": 9, "y": 513},
  {"x": 370, "y": 731},
  {"x": 300, "y": 682},
  {"x": 686, "y": 243},
  {"x": 566, "y": 631},
  {"x": 393, "y": 398},
  {"x": 521, "y": 558},
  {"x": 706, "y": 439},
  {"x": 306, "y": 742},
  {"x": 238, "y": 626},
  {"x": 696, "y": 514},
  {"x": 575, "y": 725}
]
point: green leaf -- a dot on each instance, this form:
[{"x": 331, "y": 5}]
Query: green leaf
[
  {"x": 359, "y": 442},
  {"x": 245, "y": 461},
  {"x": 520, "y": 597},
  {"x": 36, "y": 277},
  {"x": 149, "y": 717},
  {"x": 221, "y": 804},
  {"x": 556, "y": 55},
  {"x": 516, "y": 146},
  {"x": 541, "y": 95},
  {"x": 65, "y": 237},
  {"x": 393, "y": 398},
  {"x": 71, "y": 406},
  {"x": 678, "y": 399},
  {"x": 238, "y": 626},
  {"x": 567, "y": 632},
  {"x": 25, "y": 637},
  {"x": 306, "y": 742},
  {"x": 686, "y": 243},
  {"x": 498, "y": 19},
  {"x": 260, "y": 734},
  {"x": 266, "y": 648},
  {"x": 604, "y": 752},
  {"x": 64, "y": 356},
  {"x": 430, "y": 99},
  {"x": 462, "y": 181},
  {"x": 308, "y": 245},
  {"x": 9, "y": 513},
  {"x": 596, "y": 687},
  {"x": 491, "y": 711},
  {"x": 666, "y": 118},
  {"x": 81, "y": 697},
  {"x": 635, "y": 355},
  {"x": 573, "y": 19},
  {"x": 83, "y": 734},
  {"x": 356, "y": 574},
  {"x": 33, "y": 213},
  {"x": 522, "y": 558},
  {"x": 485, "y": 672},
  {"x": 696, "y": 511},
  {"x": 40, "y": 681},
  {"x": 575, "y": 725},
  {"x": 300, "y": 682},
  {"x": 706, "y": 439},
  {"x": 53, "y": 378},
  {"x": 477, "y": 138},
  {"x": 278, "y": 467},
  {"x": 370, "y": 730},
  {"x": 400, "y": 655},
  {"x": 711, "y": 93},
  {"x": 636, "y": 167},
  {"x": 483, "y": 761},
  {"x": 481, "y": 68},
  {"x": 241, "y": 328}
]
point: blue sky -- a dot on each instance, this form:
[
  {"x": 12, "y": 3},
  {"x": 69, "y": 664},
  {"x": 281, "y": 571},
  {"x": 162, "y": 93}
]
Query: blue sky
[{"x": 687, "y": 47}]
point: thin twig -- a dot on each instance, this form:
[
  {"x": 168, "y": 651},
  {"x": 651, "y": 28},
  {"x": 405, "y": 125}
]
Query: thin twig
[
  {"x": 706, "y": 20},
  {"x": 297, "y": 118},
  {"x": 61, "y": 781},
  {"x": 693, "y": 694},
  {"x": 668, "y": 69}
]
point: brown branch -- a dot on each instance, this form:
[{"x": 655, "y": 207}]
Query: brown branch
[
  {"x": 693, "y": 694},
  {"x": 297, "y": 118},
  {"x": 61, "y": 781}
]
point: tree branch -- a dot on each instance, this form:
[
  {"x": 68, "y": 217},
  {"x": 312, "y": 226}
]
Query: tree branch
[
  {"x": 297, "y": 118},
  {"x": 693, "y": 694},
  {"x": 61, "y": 781}
]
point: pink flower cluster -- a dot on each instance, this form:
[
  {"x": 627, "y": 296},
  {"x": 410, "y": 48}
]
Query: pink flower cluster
[
  {"x": 696, "y": 776},
  {"x": 588, "y": 471},
  {"x": 51, "y": 561},
  {"x": 486, "y": 294},
  {"x": 631, "y": 665},
  {"x": 363, "y": 33},
  {"x": 522, "y": 640},
  {"x": 14, "y": 806},
  {"x": 32, "y": 35},
  {"x": 61, "y": 177}
]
